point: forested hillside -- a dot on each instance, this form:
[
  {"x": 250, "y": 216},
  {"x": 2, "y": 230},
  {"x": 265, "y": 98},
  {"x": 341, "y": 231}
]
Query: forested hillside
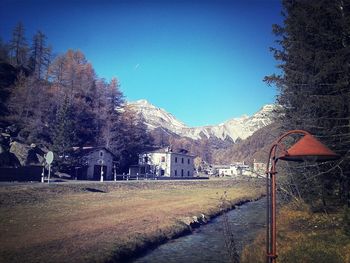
[
  {"x": 60, "y": 102},
  {"x": 255, "y": 147}
]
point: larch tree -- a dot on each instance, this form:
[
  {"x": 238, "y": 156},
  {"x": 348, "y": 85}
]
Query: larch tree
[
  {"x": 40, "y": 56},
  {"x": 73, "y": 78},
  {"x": 108, "y": 104},
  {"x": 19, "y": 47}
]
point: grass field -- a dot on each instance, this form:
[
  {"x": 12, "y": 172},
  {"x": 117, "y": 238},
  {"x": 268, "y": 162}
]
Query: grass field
[
  {"x": 101, "y": 222},
  {"x": 305, "y": 236}
]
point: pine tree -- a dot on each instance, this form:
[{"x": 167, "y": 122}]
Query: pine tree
[
  {"x": 314, "y": 90},
  {"x": 63, "y": 133}
]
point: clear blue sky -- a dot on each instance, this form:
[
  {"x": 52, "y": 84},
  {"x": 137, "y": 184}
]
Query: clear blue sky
[{"x": 203, "y": 61}]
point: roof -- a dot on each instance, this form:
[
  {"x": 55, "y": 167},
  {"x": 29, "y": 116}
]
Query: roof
[
  {"x": 170, "y": 150},
  {"x": 89, "y": 149}
]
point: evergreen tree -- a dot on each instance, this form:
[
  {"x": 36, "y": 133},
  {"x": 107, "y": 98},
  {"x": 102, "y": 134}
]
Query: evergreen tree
[
  {"x": 63, "y": 133},
  {"x": 314, "y": 89},
  {"x": 130, "y": 138}
]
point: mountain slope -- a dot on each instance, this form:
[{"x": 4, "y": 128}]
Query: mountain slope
[
  {"x": 229, "y": 131},
  {"x": 156, "y": 117},
  {"x": 255, "y": 147}
]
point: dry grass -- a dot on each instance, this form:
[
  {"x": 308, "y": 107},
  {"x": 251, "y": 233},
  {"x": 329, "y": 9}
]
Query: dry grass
[
  {"x": 103, "y": 222},
  {"x": 305, "y": 237}
]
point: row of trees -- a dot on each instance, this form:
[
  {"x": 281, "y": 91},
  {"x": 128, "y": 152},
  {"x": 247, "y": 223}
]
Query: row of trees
[
  {"x": 314, "y": 88},
  {"x": 60, "y": 102}
]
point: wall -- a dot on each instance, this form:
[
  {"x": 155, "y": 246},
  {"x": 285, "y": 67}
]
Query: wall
[
  {"x": 21, "y": 174},
  {"x": 94, "y": 158},
  {"x": 169, "y": 165},
  {"x": 177, "y": 165}
]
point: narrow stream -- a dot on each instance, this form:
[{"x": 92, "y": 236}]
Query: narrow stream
[{"x": 207, "y": 243}]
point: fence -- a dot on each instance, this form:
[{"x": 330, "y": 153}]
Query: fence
[{"x": 21, "y": 174}]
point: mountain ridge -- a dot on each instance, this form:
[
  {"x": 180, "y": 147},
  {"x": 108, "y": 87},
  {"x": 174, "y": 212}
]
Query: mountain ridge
[{"x": 235, "y": 129}]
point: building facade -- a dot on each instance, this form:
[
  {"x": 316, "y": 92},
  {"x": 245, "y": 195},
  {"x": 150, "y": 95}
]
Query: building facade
[
  {"x": 164, "y": 162},
  {"x": 235, "y": 169},
  {"x": 94, "y": 160}
]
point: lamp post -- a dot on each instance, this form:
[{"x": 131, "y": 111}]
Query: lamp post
[{"x": 306, "y": 148}]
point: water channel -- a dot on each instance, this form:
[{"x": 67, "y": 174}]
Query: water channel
[{"x": 207, "y": 243}]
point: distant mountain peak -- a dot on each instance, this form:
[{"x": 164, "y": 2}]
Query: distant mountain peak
[
  {"x": 233, "y": 129},
  {"x": 156, "y": 117},
  {"x": 142, "y": 103}
]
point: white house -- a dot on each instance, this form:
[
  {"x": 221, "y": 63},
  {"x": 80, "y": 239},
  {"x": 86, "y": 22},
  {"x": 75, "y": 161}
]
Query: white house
[
  {"x": 164, "y": 162},
  {"x": 235, "y": 169}
]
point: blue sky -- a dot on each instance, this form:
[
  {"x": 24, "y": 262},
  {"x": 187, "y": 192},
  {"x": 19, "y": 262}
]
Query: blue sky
[{"x": 203, "y": 61}]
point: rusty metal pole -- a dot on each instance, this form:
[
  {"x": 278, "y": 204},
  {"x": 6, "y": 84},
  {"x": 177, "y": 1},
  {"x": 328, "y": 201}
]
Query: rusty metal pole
[
  {"x": 268, "y": 215},
  {"x": 273, "y": 213},
  {"x": 271, "y": 206}
]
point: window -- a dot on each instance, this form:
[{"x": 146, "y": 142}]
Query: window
[
  {"x": 162, "y": 172},
  {"x": 182, "y": 172},
  {"x": 163, "y": 159},
  {"x": 146, "y": 159},
  {"x": 182, "y": 160},
  {"x": 175, "y": 172},
  {"x": 188, "y": 173},
  {"x": 175, "y": 159},
  {"x": 101, "y": 153},
  {"x": 188, "y": 161}
]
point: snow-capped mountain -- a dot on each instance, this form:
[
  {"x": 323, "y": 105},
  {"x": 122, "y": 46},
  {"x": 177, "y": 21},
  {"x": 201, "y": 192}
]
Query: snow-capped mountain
[
  {"x": 156, "y": 117},
  {"x": 233, "y": 129}
]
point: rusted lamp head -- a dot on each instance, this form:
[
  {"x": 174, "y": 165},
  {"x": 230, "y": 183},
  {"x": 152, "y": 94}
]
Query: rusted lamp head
[{"x": 309, "y": 148}]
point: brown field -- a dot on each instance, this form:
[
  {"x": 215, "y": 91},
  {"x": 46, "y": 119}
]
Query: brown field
[{"x": 99, "y": 222}]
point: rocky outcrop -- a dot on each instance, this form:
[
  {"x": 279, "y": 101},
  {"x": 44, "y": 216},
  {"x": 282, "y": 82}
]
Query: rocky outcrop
[
  {"x": 14, "y": 153},
  {"x": 195, "y": 221},
  {"x": 27, "y": 155}
]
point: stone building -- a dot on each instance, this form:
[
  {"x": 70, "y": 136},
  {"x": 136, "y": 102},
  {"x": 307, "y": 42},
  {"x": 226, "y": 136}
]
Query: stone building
[{"x": 92, "y": 160}]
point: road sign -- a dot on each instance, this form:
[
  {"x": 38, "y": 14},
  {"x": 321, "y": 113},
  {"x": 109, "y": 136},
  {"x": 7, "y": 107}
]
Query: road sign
[{"x": 49, "y": 157}]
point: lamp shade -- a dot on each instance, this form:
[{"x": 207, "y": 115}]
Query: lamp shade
[{"x": 309, "y": 148}]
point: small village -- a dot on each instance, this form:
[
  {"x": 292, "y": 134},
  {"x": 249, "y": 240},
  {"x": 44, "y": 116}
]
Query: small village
[{"x": 100, "y": 164}]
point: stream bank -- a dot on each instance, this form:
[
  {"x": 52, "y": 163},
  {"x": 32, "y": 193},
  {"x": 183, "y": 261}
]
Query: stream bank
[
  {"x": 207, "y": 243},
  {"x": 246, "y": 217}
]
